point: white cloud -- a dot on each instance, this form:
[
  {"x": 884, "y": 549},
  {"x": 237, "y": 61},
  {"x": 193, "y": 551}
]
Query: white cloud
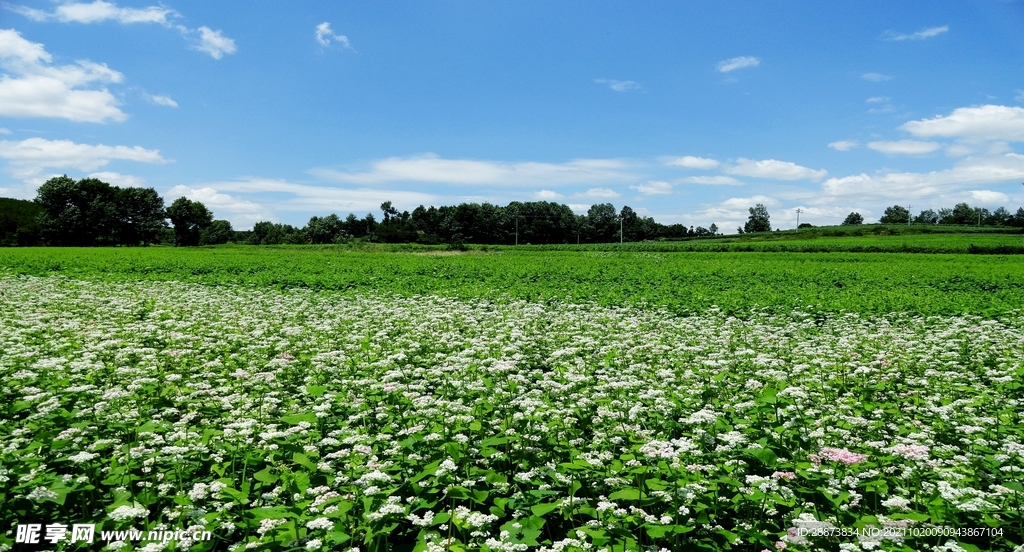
[
  {"x": 875, "y": 77},
  {"x": 1008, "y": 167},
  {"x": 620, "y": 86},
  {"x": 95, "y": 12},
  {"x": 241, "y": 213},
  {"x": 713, "y": 180},
  {"x": 579, "y": 208},
  {"x": 118, "y": 179},
  {"x": 654, "y": 187},
  {"x": 747, "y": 202},
  {"x": 210, "y": 41},
  {"x": 431, "y": 168},
  {"x": 877, "y": 99},
  {"x": 300, "y": 197},
  {"x": 774, "y": 169},
  {"x": 324, "y": 35},
  {"x": 904, "y": 147},
  {"x": 29, "y": 158},
  {"x": 31, "y": 87},
  {"x": 735, "y": 63},
  {"x": 597, "y": 193},
  {"x": 5, "y": 131},
  {"x": 843, "y": 145},
  {"x": 163, "y": 100},
  {"x": 214, "y": 43},
  {"x": 919, "y": 35},
  {"x": 986, "y": 122},
  {"x": 547, "y": 195},
  {"x": 691, "y": 162},
  {"x": 989, "y": 197}
]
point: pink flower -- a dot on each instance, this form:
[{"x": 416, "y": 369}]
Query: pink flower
[
  {"x": 840, "y": 455},
  {"x": 780, "y": 545},
  {"x": 788, "y": 476}
]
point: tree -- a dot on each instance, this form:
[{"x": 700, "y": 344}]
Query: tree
[
  {"x": 897, "y": 214},
  {"x": 714, "y": 229},
  {"x": 964, "y": 214},
  {"x": 140, "y": 215},
  {"x": 927, "y": 217},
  {"x": 853, "y": 218},
  {"x": 81, "y": 213},
  {"x": 603, "y": 222},
  {"x": 759, "y": 220},
  {"x": 218, "y": 232},
  {"x": 189, "y": 218}
]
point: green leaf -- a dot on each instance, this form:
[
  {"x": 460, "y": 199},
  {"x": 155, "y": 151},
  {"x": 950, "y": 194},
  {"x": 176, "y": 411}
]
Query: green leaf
[
  {"x": 295, "y": 419},
  {"x": 543, "y": 509},
  {"x": 303, "y": 460},
  {"x": 276, "y": 512},
  {"x": 625, "y": 494},
  {"x": 764, "y": 455},
  {"x": 316, "y": 390},
  {"x": 265, "y": 476}
]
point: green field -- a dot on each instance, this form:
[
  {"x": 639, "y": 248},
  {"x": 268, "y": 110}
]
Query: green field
[
  {"x": 682, "y": 282},
  {"x": 398, "y": 398}
]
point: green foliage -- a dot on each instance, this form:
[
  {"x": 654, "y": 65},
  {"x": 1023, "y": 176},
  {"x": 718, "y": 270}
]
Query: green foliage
[
  {"x": 189, "y": 218},
  {"x": 759, "y": 220},
  {"x": 896, "y": 214},
  {"x": 683, "y": 282},
  {"x": 18, "y": 222},
  {"x": 90, "y": 212},
  {"x": 853, "y": 219},
  {"x": 218, "y": 232}
]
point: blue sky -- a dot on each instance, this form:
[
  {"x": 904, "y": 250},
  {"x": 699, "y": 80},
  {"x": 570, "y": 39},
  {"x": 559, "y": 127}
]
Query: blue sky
[{"x": 686, "y": 111}]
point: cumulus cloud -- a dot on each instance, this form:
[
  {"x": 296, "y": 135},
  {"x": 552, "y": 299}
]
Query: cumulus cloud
[
  {"x": 620, "y": 86},
  {"x": 843, "y": 145},
  {"x": 875, "y": 77},
  {"x": 31, "y": 87},
  {"x": 95, "y": 12},
  {"x": 904, "y": 147},
  {"x": 1008, "y": 167},
  {"x": 986, "y": 122},
  {"x": 989, "y": 197},
  {"x": 742, "y": 62},
  {"x": 654, "y": 187},
  {"x": 30, "y": 158},
  {"x": 431, "y": 168},
  {"x": 163, "y": 100},
  {"x": 547, "y": 195},
  {"x": 246, "y": 206},
  {"x": 118, "y": 179},
  {"x": 324, "y": 36},
  {"x": 774, "y": 169},
  {"x": 241, "y": 213},
  {"x": 919, "y": 35},
  {"x": 597, "y": 193},
  {"x": 713, "y": 180},
  {"x": 214, "y": 43},
  {"x": 691, "y": 162}
]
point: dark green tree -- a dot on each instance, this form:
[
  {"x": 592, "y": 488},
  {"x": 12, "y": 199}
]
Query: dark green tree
[
  {"x": 759, "y": 220},
  {"x": 218, "y": 232},
  {"x": 189, "y": 218},
  {"x": 853, "y": 218},
  {"x": 927, "y": 216},
  {"x": 897, "y": 214},
  {"x": 140, "y": 215}
]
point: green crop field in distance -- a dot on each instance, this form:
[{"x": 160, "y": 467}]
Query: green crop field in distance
[{"x": 682, "y": 282}]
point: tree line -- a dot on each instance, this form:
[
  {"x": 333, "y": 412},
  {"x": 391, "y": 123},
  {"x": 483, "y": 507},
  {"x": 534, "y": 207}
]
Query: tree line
[{"x": 90, "y": 212}]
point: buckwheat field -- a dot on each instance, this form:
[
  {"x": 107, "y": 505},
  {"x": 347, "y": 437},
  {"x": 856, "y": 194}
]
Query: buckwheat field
[{"x": 284, "y": 418}]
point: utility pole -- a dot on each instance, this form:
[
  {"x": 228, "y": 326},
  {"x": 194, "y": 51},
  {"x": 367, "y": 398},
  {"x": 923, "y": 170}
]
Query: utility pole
[
  {"x": 798, "y": 211},
  {"x": 620, "y": 228},
  {"x": 909, "y": 216}
]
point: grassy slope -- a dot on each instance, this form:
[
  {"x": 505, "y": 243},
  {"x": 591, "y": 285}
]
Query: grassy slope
[{"x": 988, "y": 285}]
